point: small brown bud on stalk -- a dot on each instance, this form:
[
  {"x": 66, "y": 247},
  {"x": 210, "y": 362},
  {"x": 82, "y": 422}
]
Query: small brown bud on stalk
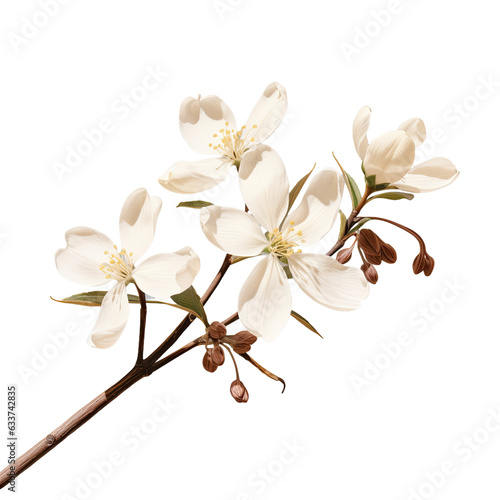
[
  {"x": 217, "y": 330},
  {"x": 423, "y": 263},
  {"x": 389, "y": 255},
  {"x": 241, "y": 342},
  {"x": 208, "y": 363},
  {"x": 218, "y": 355},
  {"x": 345, "y": 255},
  {"x": 369, "y": 241},
  {"x": 429, "y": 265},
  {"x": 239, "y": 391},
  {"x": 370, "y": 273}
]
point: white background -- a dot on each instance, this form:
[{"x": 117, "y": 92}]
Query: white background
[{"x": 424, "y": 59}]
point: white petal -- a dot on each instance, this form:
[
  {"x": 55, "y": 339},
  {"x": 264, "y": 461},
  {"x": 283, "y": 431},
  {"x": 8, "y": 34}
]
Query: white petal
[
  {"x": 264, "y": 186},
  {"x": 112, "y": 319},
  {"x": 265, "y": 301},
  {"x": 415, "y": 128},
  {"x": 166, "y": 274},
  {"x": 138, "y": 222},
  {"x": 317, "y": 212},
  {"x": 328, "y": 282},
  {"x": 200, "y": 118},
  {"x": 84, "y": 253},
  {"x": 429, "y": 176},
  {"x": 268, "y": 113},
  {"x": 195, "y": 176},
  {"x": 360, "y": 130},
  {"x": 389, "y": 157},
  {"x": 232, "y": 230}
]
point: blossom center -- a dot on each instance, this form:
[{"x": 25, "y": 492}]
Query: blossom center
[
  {"x": 282, "y": 243},
  {"x": 119, "y": 266},
  {"x": 232, "y": 144}
]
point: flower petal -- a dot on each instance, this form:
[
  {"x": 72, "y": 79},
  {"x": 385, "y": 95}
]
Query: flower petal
[
  {"x": 80, "y": 260},
  {"x": 428, "y": 176},
  {"x": 200, "y": 119},
  {"x": 415, "y": 128},
  {"x": 317, "y": 212},
  {"x": 265, "y": 301},
  {"x": 138, "y": 222},
  {"x": 268, "y": 113},
  {"x": 264, "y": 186},
  {"x": 195, "y": 176},
  {"x": 389, "y": 157},
  {"x": 328, "y": 282},
  {"x": 112, "y": 319},
  {"x": 233, "y": 231},
  {"x": 360, "y": 130},
  {"x": 166, "y": 274}
]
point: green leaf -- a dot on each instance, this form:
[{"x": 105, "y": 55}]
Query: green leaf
[
  {"x": 297, "y": 188},
  {"x": 194, "y": 204},
  {"x": 191, "y": 301},
  {"x": 370, "y": 181},
  {"x": 393, "y": 196},
  {"x": 94, "y": 299},
  {"x": 352, "y": 188},
  {"x": 303, "y": 321},
  {"x": 343, "y": 220},
  {"x": 359, "y": 225}
]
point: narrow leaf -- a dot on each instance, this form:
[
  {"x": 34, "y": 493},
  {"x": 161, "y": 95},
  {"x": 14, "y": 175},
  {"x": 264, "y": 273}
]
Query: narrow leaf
[
  {"x": 352, "y": 187},
  {"x": 264, "y": 371},
  {"x": 191, "y": 301},
  {"x": 297, "y": 188},
  {"x": 359, "y": 225},
  {"x": 393, "y": 196},
  {"x": 194, "y": 204},
  {"x": 303, "y": 321},
  {"x": 343, "y": 220}
]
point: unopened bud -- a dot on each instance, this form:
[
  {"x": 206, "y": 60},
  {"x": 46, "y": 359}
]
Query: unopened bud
[
  {"x": 429, "y": 265},
  {"x": 218, "y": 355},
  {"x": 370, "y": 273},
  {"x": 389, "y": 255},
  {"x": 241, "y": 342},
  {"x": 369, "y": 241},
  {"x": 419, "y": 263},
  {"x": 373, "y": 258},
  {"x": 208, "y": 363},
  {"x": 239, "y": 391},
  {"x": 345, "y": 255},
  {"x": 217, "y": 330}
]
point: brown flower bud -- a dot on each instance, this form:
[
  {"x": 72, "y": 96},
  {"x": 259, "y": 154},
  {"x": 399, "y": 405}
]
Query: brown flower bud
[
  {"x": 429, "y": 265},
  {"x": 419, "y": 263},
  {"x": 389, "y": 255},
  {"x": 218, "y": 355},
  {"x": 369, "y": 241},
  {"x": 370, "y": 273},
  {"x": 239, "y": 391},
  {"x": 217, "y": 330},
  {"x": 345, "y": 255},
  {"x": 373, "y": 258},
  {"x": 241, "y": 342},
  {"x": 208, "y": 363}
]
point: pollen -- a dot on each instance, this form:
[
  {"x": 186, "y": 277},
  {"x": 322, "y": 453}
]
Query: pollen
[
  {"x": 233, "y": 144},
  {"x": 117, "y": 265}
]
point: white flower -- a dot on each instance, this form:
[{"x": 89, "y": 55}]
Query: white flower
[
  {"x": 209, "y": 127},
  {"x": 91, "y": 259},
  {"x": 390, "y": 156},
  {"x": 265, "y": 300}
]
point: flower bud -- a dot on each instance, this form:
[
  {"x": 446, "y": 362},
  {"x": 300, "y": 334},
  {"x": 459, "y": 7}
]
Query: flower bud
[
  {"x": 239, "y": 391},
  {"x": 345, "y": 255},
  {"x": 370, "y": 273},
  {"x": 241, "y": 342},
  {"x": 429, "y": 265},
  {"x": 217, "y": 330},
  {"x": 208, "y": 363},
  {"x": 389, "y": 255},
  {"x": 369, "y": 241},
  {"x": 419, "y": 263},
  {"x": 218, "y": 355}
]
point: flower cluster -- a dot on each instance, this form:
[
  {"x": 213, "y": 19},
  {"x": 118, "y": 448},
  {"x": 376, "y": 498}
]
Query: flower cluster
[{"x": 271, "y": 226}]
